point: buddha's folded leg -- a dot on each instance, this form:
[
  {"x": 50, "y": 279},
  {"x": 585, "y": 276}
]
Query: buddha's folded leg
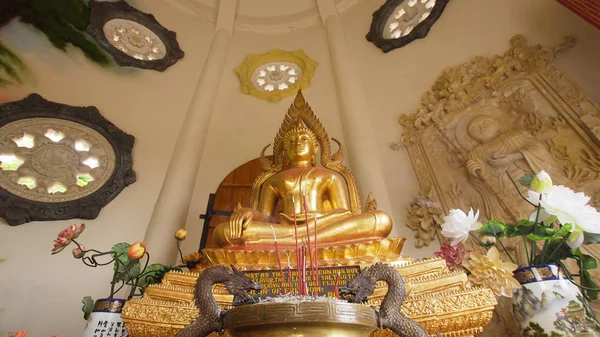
[
  {"x": 368, "y": 225},
  {"x": 256, "y": 233}
]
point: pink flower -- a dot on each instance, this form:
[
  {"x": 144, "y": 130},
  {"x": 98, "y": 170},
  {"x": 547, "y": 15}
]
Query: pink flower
[
  {"x": 78, "y": 252},
  {"x": 65, "y": 237},
  {"x": 452, "y": 254}
]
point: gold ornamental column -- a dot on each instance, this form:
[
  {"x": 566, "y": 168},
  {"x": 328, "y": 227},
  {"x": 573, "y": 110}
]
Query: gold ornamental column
[
  {"x": 171, "y": 209},
  {"x": 363, "y": 156}
]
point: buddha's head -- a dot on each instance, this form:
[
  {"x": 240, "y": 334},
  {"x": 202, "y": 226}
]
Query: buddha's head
[
  {"x": 484, "y": 128},
  {"x": 300, "y": 144}
]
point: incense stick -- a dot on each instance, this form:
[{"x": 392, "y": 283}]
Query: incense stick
[
  {"x": 279, "y": 261},
  {"x": 316, "y": 261},
  {"x": 310, "y": 257},
  {"x": 296, "y": 235}
]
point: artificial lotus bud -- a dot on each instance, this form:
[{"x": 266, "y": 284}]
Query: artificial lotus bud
[
  {"x": 488, "y": 240},
  {"x": 541, "y": 183},
  {"x": 181, "y": 234},
  {"x": 136, "y": 250},
  {"x": 78, "y": 252}
]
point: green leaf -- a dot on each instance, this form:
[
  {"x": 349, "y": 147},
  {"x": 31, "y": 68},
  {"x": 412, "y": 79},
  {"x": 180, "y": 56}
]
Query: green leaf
[
  {"x": 526, "y": 179},
  {"x": 493, "y": 228},
  {"x": 586, "y": 281},
  {"x": 150, "y": 275},
  {"x": 564, "y": 230},
  {"x": 525, "y": 223},
  {"x": 88, "y": 306},
  {"x": 589, "y": 262},
  {"x": 126, "y": 269},
  {"x": 535, "y": 237}
]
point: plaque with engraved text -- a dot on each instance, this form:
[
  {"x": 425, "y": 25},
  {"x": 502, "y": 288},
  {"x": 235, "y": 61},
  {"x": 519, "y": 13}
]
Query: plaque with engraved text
[{"x": 273, "y": 285}]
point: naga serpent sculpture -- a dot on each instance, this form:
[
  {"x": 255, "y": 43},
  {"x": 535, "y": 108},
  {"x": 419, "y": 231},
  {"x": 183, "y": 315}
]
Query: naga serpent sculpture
[
  {"x": 390, "y": 317},
  {"x": 212, "y": 316}
]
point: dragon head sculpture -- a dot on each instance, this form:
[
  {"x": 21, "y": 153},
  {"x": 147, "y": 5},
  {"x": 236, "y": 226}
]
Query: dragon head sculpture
[
  {"x": 359, "y": 288},
  {"x": 239, "y": 285}
]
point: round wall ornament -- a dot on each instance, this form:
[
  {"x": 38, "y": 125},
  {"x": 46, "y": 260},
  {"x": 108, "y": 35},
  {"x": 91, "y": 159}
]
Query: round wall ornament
[
  {"x": 132, "y": 37},
  {"x": 399, "y": 22},
  {"x": 59, "y": 162},
  {"x": 275, "y": 74}
]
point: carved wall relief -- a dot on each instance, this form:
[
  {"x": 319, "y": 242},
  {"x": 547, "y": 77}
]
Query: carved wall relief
[{"x": 514, "y": 113}]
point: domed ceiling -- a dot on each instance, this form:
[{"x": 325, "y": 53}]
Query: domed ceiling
[{"x": 265, "y": 16}]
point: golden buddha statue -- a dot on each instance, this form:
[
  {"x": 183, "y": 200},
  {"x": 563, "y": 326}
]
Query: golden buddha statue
[
  {"x": 292, "y": 177},
  {"x": 439, "y": 299}
]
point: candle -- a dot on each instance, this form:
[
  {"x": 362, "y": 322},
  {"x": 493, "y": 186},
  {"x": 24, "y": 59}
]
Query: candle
[
  {"x": 336, "y": 291},
  {"x": 296, "y": 235},
  {"x": 279, "y": 260}
]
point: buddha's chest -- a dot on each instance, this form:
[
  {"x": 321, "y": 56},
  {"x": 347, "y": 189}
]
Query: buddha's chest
[{"x": 298, "y": 183}]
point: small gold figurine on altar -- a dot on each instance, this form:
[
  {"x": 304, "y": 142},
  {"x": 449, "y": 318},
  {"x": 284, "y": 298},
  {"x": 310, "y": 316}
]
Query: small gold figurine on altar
[{"x": 293, "y": 187}]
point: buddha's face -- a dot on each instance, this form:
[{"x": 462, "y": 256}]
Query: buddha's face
[
  {"x": 484, "y": 128},
  {"x": 299, "y": 146}
]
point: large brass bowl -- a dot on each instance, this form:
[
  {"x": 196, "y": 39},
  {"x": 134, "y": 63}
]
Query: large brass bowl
[{"x": 296, "y": 319}]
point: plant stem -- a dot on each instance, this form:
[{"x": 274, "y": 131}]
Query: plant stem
[
  {"x": 518, "y": 190},
  {"x": 137, "y": 278},
  {"x": 503, "y": 247},
  {"x": 179, "y": 249},
  {"x": 112, "y": 283},
  {"x": 544, "y": 251},
  {"x": 558, "y": 247},
  {"x": 526, "y": 249},
  {"x": 478, "y": 240},
  {"x": 533, "y": 242}
]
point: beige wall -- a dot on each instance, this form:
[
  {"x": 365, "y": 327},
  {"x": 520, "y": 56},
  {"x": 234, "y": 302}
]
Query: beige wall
[{"x": 42, "y": 293}]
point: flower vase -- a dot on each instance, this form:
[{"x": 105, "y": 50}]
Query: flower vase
[
  {"x": 550, "y": 305},
  {"x": 105, "y": 319}
]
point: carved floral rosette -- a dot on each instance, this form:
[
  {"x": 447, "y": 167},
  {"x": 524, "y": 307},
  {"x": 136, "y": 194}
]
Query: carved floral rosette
[
  {"x": 55, "y": 144},
  {"x": 515, "y": 113}
]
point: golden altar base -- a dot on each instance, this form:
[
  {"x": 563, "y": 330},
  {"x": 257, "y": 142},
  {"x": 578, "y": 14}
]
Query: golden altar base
[{"x": 440, "y": 300}]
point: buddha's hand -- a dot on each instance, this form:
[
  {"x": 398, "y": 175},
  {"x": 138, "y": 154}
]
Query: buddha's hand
[
  {"x": 499, "y": 159},
  {"x": 474, "y": 167},
  {"x": 239, "y": 221}
]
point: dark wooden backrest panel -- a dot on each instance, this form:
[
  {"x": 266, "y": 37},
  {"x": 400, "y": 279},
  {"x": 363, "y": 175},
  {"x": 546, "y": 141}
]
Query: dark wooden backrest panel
[{"x": 234, "y": 188}]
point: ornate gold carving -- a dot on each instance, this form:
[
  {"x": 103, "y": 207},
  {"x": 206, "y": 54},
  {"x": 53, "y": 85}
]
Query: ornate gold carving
[
  {"x": 275, "y": 74},
  {"x": 438, "y": 299},
  {"x": 371, "y": 251},
  {"x": 371, "y": 204}
]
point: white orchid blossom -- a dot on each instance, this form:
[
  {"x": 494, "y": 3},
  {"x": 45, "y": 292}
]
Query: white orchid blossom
[
  {"x": 457, "y": 225},
  {"x": 567, "y": 206}
]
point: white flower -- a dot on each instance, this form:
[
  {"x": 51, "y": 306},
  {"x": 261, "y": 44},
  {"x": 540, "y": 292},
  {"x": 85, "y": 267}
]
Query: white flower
[
  {"x": 571, "y": 207},
  {"x": 541, "y": 183},
  {"x": 457, "y": 225}
]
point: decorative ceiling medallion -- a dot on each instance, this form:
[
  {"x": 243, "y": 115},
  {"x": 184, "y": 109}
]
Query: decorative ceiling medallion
[
  {"x": 132, "y": 37},
  {"x": 399, "y": 22},
  {"x": 276, "y": 74},
  {"x": 59, "y": 162}
]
